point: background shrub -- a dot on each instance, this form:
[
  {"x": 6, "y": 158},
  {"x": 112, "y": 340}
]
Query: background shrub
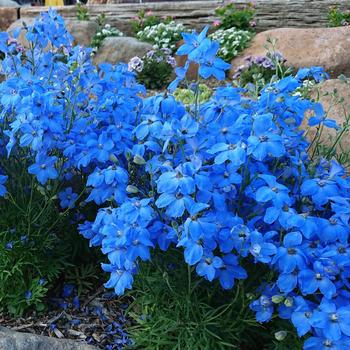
[
  {"x": 232, "y": 17},
  {"x": 155, "y": 69},
  {"x": 337, "y": 18}
]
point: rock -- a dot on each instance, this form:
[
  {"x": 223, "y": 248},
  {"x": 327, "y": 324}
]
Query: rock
[
  {"x": 82, "y": 31},
  {"x": 8, "y": 3},
  {"x": 120, "y": 49},
  {"x": 10, "y": 340},
  {"x": 19, "y": 24},
  {"x": 326, "y": 47},
  {"x": 334, "y": 95},
  {"x": 8, "y": 15}
]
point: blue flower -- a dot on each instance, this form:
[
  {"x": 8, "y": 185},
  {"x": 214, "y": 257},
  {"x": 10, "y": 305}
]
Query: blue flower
[
  {"x": 67, "y": 198},
  {"x": 28, "y": 295},
  {"x": 263, "y": 308},
  {"x": 290, "y": 256},
  {"x": 235, "y": 153},
  {"x": 333, "y": 321},
  {"x": 260, "y": 248},
  {"x": 44, "y": 168},
  {"x": 119, "y": 280},
  {"x": 3, "y": 191},
  {"x": 317, "y": 279},
  {"x": 302, "y": 316},
  {"x": 209, "y": 266},
  {"x": 210, "y": 64},
  {"x": 265, "y": 141},
  {"x": 192, "y": 44},
  {"x": 274, "y": 192},
  {"x": 318, "y": 343},
  {"x": 230, "y": 271}
]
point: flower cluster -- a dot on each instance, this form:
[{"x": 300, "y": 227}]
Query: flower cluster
[
  {"x": 264, "y": 62},
  {"x": 232, "y": 41},
  {"x": 226, "y": 181},
  {"x": 163, "y": 35}
]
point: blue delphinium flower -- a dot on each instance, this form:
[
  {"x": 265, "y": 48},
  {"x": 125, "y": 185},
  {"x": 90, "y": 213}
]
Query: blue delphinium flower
[
  {"x": 3, "y": 179},
  {"x": 44, "y": 168},
  {"x": 67, "y": 198},
  {"x": 317, "y": 278}
]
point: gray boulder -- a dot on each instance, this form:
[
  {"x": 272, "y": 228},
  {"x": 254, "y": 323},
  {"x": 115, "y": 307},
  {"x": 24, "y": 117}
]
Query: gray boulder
[
  {"x": 8, "y": 3},
  {"x": 120, "y": 49},
  {"x": 10, "y": 340}
]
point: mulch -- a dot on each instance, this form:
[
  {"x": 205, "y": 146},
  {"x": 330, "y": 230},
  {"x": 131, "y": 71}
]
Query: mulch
[{"x": 99, "y": 319}]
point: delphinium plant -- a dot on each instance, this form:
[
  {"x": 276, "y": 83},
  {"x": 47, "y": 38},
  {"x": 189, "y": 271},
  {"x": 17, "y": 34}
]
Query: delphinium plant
[
  {"x": 228, "y": 184},
  {"x": 154, "y": 69},
  {"x": 49, "y": 100}
]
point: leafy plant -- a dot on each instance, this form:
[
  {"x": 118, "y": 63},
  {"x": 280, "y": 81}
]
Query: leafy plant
[
  {"x": 147, "y": 19},
  {"x": 83, "y": 276},
  {"x": 188, "y": 96},
  {"x": 32, "y": 249},
  {"x": 82, "y": 12},
  {"x": 156, "y": 63},
  {"x": 232, "y": 17},
  {"x": 338, "y": 18},
  {"x": 174, "y": 309}
]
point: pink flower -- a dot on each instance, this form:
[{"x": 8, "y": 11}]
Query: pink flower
[
  {"x": 252, "y": 24},
  {"x": 216, "y": 23},
  {"x": 149, "y": 13}
]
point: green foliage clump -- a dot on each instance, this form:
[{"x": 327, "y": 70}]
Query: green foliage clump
[
  {"x": 232, "y": 17},
  {"x": 82, "y": 12},
  {"x": 32, "y": 252},
  {"x": 338, "y": 18},
  {"x": 174, "y": 309},
  {"x": 188, "y": 96}
]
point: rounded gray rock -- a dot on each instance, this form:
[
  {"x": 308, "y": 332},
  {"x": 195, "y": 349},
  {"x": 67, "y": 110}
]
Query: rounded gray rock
[
  {"x": 120, "y": 49},
  {"x": 10, "y": 340}
]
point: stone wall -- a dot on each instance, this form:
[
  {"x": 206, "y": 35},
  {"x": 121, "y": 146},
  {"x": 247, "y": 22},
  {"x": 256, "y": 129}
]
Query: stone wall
[{"x": 270, "y": 13}]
